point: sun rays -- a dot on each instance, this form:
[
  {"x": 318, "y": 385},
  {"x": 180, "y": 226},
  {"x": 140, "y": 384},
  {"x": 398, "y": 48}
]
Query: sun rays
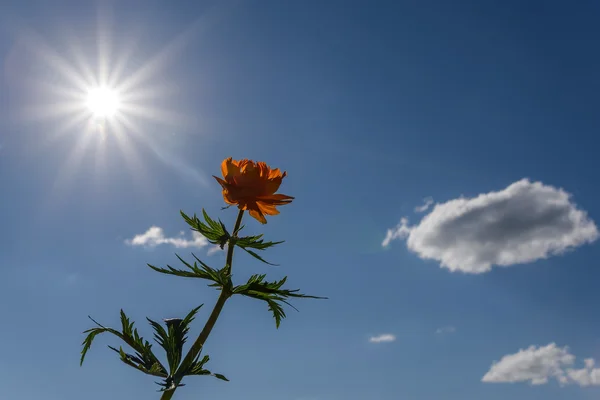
[{"x": 99, "y": 101}]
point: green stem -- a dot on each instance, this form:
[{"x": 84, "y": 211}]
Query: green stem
[
  {"x": 214, "y": 315},
  {"x": 238, "y": 223}
]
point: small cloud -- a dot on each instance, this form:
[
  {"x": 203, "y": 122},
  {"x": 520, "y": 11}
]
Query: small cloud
[
  {"x": 445, "y": 330},
  {"x": 214, "y": 250},
  {"x": 537, "y": 365},
  {"x": 384, "y": 338},
  {"x": 427, "y": 202},
  {"x": 525, "y": 222},
  {"x": 155, "y": 236}
]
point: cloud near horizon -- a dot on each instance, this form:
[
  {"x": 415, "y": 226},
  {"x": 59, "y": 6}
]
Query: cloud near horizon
[
  {"x": 525, "y": 222},
  {"x": 155, "y": 236},
  {"x": 537, "y": 365}
]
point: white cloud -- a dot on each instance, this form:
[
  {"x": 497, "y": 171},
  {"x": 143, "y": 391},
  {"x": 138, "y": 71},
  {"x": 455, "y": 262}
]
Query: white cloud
[
  {"x": 401, "y": 231},
  {"x": 445, "y": 330},
  {"x": 427, "y": 202},
  {"x": 383, "y": 338},
  {"x": 538, "y": 365},
  {"x": 534, "y": 364},
  {"x": 155, "y": 236},
  {"x": 526, "y": 221},
  {"x": 586, "y": 376},
  {"x": 214, "y": 250}
]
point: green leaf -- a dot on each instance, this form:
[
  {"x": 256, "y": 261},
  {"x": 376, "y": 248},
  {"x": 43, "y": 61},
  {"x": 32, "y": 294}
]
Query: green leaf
[
  {"x": 271, "y": 293},
  {"x": 199, "y": 269},
  {"x": 197, "y": 365},
  {"x": 207, "y": 372},
  {"x": 143, "y": 360},
  {"x": 221, "y": 377},
  {"x": 87, "y": 342},
  {"x": 174, "y": 337},
  {"x": 253, "y": 254},
  {"x": 197, "y": 368},
  {"x": 277, "y": 310},
  {"x": 214, "y": 231},
  {"x": 138, "y": 364},
  {"x": 171, "y": 339},
  {"x": 255, "y": 242}
]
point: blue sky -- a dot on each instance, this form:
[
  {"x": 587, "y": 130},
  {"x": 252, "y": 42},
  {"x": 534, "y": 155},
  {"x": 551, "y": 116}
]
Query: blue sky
[{"x": 371, "y": 108}]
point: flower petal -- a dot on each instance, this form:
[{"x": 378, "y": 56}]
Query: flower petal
[
  {"x": 272, "y": 185},
  {"x": 229, "y": 168},
  {"x": 268, "y": 209},
  {"x": 228, "y": 198},
  {"x": 276, "y": 173},
  {"x": 223, "y": 184},
  {"x": 259, "y": 216},
  {"x": 276, "y": 199},
  {"x": 264, "y": 169}
]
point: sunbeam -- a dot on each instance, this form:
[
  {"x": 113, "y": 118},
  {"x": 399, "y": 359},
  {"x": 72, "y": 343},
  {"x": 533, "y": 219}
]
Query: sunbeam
[
  {"x": 96, "y": 96},
  {"x": 89, "y": 106}
]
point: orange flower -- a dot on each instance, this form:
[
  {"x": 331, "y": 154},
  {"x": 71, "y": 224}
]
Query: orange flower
[{"x": 252, "y": 186}]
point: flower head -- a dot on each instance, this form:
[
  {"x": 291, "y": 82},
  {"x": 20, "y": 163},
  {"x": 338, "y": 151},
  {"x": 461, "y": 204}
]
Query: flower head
[{"x": 251, "y": 186}]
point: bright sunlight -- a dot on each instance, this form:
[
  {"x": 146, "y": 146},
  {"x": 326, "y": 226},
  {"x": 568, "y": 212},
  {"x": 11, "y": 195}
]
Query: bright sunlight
[
  {"x": 93, "y": 92},
  {"x": 103, "y": 102}
]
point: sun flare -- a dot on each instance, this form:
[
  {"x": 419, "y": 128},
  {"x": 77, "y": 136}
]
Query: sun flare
[
  {"x": 103, "y": 102},
  {"x": 102, "y": 99}
]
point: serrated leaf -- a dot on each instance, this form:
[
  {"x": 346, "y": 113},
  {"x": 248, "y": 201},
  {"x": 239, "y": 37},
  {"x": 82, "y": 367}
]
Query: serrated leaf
[
  {"x": 214, "y": 231},
  {"x": 199, "y": 269},
  {"x": 197, "y": 368},
  {"x": 272, "y": 293},
  {"x": 174, "y": 337},
  {"x": 144, "y": 359},
  {"x": 253, "y": 254},
  {"x": 277, "y": 310},
  {"x": 257, "y": 243},
  {"x": 87, "y": 342}
]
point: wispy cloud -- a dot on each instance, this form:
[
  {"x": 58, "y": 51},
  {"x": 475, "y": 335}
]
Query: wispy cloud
[
  {"x": 383, "y": 338},
  {"x": 214, "y": 250},
  {"x": 525, "y": 222},
  {"x": 445, "y": 330},
  {"x": 427, "y": 202},
  {"x": 537, "y": 365},
  {"x": 155, "y": 236},
  {"x": 401, "y": 231}
]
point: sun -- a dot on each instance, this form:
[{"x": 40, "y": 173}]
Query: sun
[
  {"x": 103, "y": 99},
  {"x": 103, "y": 102}
]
